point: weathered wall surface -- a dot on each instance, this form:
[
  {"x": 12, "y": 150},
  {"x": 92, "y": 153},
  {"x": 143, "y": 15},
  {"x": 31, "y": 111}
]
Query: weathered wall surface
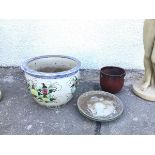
[{"x": 94, "y": 43}]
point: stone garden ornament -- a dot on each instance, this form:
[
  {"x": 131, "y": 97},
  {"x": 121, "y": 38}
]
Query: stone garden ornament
[{"x": 145, "y": 87}]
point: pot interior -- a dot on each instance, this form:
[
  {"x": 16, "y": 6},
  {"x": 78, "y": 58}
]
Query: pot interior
[
  {"x": 113, "y": 71},
  {"x": 52, "y": 64}
]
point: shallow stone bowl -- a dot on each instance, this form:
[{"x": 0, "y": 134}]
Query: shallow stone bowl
[{"x": 83, "y": 105}]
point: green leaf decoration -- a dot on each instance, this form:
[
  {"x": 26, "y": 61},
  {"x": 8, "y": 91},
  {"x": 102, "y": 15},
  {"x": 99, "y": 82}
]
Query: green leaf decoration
[
  {"x": 44, "y": 96},
  {"x": 50, "y": 91},
  {"x": 52, "y": 99}
]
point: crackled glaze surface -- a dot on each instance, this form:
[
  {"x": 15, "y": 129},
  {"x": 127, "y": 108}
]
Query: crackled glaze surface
[{"x": 52, "y": 92}]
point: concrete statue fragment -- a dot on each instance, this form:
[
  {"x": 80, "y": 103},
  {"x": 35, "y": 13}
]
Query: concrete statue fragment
[{"x": 145, "y": 87}]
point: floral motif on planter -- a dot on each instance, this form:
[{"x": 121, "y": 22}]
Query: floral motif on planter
[
  {"x": 73, "y": 82},
  {"x": 44, "y": 91}
]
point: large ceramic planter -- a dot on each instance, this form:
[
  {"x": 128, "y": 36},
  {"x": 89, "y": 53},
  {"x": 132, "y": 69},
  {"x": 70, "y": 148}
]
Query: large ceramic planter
[{"x": 56, "y": 88}]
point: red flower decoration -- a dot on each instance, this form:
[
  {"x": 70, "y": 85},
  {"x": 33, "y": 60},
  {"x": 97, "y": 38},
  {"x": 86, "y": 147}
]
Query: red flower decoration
[{"x": 44, "y": 91}]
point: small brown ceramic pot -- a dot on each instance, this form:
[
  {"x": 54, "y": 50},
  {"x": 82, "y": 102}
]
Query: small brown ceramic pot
[{"x": 112, "y": 79}]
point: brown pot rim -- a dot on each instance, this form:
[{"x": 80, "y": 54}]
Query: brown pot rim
[{"x": 109, "y": 67}]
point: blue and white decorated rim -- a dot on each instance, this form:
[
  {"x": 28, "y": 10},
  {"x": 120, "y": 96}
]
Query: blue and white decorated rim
[{"x": 74, "y": 70}]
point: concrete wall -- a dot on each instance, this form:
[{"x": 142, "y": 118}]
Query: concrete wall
[{"x": 94, "y": 43}]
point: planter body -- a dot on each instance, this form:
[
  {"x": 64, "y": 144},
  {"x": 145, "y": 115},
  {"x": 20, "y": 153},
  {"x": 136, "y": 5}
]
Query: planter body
[
  {"x": 112, "y": 79},
  {"x": 52, "y": 89}
]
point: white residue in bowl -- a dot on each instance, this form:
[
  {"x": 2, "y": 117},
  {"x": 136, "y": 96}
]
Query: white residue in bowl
[{"x": 99, "y": 107}]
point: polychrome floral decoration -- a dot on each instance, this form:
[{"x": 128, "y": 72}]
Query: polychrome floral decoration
[{"x": 44, "y": 92}]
